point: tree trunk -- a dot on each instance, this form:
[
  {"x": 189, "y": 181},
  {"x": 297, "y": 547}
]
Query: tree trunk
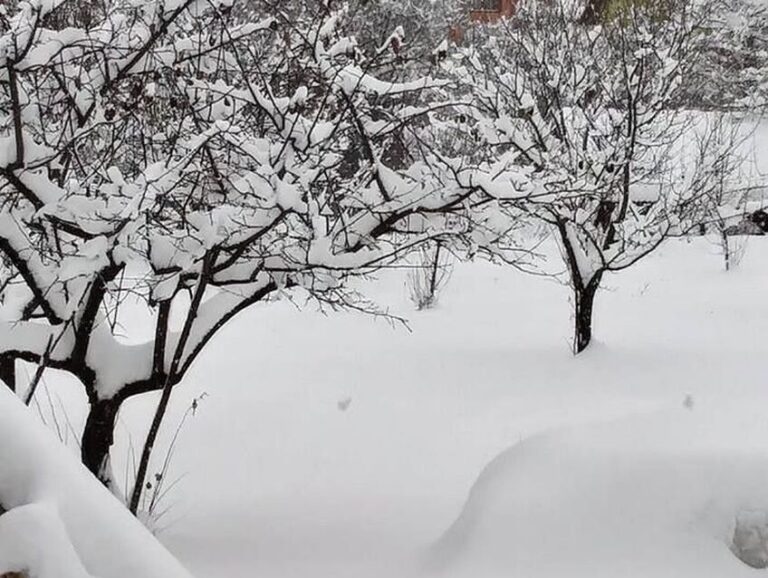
[
  {"x": 433, "y": 278},
  {"x": 584, "y": 299},
  {"x": 593, "y": 12},
  {"x": 8, "y": 371},
  {"x": 726, "y": 245},
  {"x": 98, "y": 436},
  {"x": 149, "y": 445}
]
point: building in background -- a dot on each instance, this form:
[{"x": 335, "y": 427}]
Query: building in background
[{"x": 487, "y": 11}]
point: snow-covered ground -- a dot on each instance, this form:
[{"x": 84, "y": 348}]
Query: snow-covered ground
[
  {"x": 60, "y": 521},
  {"x": 335, "y": 446},
  {"x": 475, "y": 445}
]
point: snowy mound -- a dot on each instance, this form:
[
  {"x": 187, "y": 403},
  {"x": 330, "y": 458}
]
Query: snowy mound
[
  {"x": 648, "y": 497},
  {"x": 60, "y": 522}
]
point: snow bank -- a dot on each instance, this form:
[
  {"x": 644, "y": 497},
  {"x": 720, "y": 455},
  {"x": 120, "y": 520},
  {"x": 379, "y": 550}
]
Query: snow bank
[
  {"x": 648, "y": 496},
  {"x": 61, "y": 522},
  {"x": 33, "y": 539}
]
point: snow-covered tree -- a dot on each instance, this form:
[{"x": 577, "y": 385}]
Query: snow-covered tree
[
  {"x": 732, "y": 63},
  {"x": 171, "y": 153},
  {"x": 590, "y": 114},
  {"x": 726, "y": 208},
  {"x": 407, "y": 32}
]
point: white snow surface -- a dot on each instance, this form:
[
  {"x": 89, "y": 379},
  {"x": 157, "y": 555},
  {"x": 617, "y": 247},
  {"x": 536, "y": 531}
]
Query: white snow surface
[
  {"x": 477, "y": 445},
  {"x": 61, "y": 522},
  {"x": 33, "y": 539},
  {"x": 656, "y": 495}
]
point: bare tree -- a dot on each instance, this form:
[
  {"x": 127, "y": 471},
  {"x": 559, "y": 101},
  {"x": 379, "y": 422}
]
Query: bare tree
[
  {"x": 179, "y": 155},
  {"x": 590, "y": 116},
  {"x": 724, "y": 207},
  {"x": 732, "y": 63}
]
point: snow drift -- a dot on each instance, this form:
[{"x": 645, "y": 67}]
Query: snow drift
[
  {"x": 657, "y": 495},
  {"x": 61, "y": 522}
]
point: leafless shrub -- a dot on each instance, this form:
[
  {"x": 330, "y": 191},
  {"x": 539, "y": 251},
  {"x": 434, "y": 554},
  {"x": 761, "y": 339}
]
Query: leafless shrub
[{"x": 429, "y": 275}]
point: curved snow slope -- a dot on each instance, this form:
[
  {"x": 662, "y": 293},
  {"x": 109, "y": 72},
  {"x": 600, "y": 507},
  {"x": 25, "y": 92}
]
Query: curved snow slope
[
  {"x": 646, "y": 497},
  {"x": 33, "y": 539},
  {"x": 54, "y": 504}
]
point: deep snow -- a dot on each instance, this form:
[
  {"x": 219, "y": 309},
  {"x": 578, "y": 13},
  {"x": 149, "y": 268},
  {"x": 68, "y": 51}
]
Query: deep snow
[
  {"x": 279, "y": 480},
  {"x": 341, "y": 446},
  {"x": 60, "y": 521},
  {"x": 657, "y": 495}
]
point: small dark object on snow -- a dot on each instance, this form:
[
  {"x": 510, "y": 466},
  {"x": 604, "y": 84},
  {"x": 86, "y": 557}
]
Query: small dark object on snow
[
  {"x": 745, "y": 227},
  {"x": 750, "y": 539},
  {"x": 760, "y": 218}
]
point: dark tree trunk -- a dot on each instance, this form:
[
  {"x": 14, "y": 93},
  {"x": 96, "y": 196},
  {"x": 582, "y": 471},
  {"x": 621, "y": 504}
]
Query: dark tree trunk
[
  {"x": 584, "y": 300},
  {"x": 594, "y": 12},
  {"x": 149, "y": 445},
  {"x": 435, "y": 267},
  {"x": 8, "y": 371},
  {"x": 98, "y": 436},
  {"x": 725, "y": 242}
]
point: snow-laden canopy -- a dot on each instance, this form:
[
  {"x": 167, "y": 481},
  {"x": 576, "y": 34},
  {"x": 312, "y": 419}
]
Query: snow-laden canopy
[{"x": 172, "y": 154}]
